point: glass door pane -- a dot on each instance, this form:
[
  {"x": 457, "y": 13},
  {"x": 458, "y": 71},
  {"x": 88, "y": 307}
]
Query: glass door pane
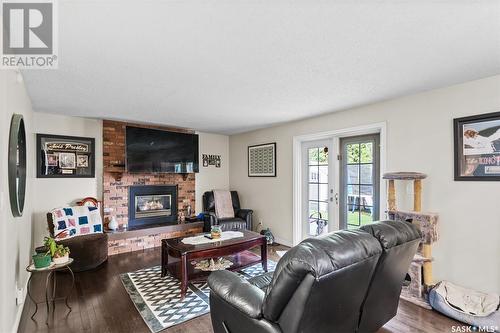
[
  {"x": 318, "y": 190},
  {"x": 360, "y": 181}
]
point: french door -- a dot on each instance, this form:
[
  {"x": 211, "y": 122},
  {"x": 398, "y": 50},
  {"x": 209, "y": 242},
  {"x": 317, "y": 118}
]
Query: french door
[
  {"x": 360, "y": 180},
  {"x": 317, "y": 180}
]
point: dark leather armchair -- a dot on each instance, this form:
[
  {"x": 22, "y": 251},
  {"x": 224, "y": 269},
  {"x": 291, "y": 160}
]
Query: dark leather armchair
[
  {"x": 242, "y": 217},
  {"x": 339, "y": 282}
]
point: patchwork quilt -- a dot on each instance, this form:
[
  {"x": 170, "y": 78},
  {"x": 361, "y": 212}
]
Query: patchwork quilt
[{"x": 76, "y": 221}]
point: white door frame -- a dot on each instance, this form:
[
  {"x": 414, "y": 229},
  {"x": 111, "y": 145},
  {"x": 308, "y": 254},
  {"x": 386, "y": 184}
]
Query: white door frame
[{"x": 380, "y": 128}]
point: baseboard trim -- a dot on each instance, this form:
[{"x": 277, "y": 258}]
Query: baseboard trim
[
  {"x": 20, "y": 309},
  {"x": 283, "y": 242}
]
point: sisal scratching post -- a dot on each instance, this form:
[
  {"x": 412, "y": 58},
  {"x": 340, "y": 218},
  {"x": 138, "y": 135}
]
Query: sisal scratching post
[
  {"x": 426, "y": 248},
  {"x": 427, "y": 253},
  {"x": 417, "y": 195},
  {"x": 392, "y": 195}
]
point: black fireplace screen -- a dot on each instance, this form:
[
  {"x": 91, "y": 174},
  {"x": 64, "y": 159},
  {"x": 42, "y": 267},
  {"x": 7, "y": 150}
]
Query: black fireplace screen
[{"x": 152, "y": 204}]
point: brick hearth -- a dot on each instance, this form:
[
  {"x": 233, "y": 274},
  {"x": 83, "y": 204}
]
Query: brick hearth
[{"x": 120, "y": 243}]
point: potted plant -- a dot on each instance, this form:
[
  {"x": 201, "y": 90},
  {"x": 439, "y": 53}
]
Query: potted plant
[
  {"x": 59, "y": 252},
  {"x": 216, "y": 232},
  {"x": 41, "y": 260},
  {"x": 61, "y": 255}
]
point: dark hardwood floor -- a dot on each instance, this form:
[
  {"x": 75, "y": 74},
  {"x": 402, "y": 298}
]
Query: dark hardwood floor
[{"x": 101, "y": 304}]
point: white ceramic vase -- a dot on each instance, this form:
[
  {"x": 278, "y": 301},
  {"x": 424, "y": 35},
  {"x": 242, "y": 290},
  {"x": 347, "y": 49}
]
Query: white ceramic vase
[{"x": 113, "y": 224}]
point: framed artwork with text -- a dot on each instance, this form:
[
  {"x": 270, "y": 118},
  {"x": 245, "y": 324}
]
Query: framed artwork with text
[
  {"x": 61, "y": 156},
  {"x": 477, "y": 147}
]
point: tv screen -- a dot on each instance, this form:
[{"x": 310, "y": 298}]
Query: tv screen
[{"x": 157, "y": 151}]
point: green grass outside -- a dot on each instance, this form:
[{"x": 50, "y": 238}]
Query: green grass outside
[{"x": 352, "y": 219}]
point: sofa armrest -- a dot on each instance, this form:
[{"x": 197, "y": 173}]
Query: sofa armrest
[
  {"x": 209, "y": 219},
  {"x": 243, "y": 213},
  {"x": 238, "y": 292},
  {"x": 246, "y": 214}
]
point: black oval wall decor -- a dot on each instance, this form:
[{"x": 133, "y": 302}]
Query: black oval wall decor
[{"x": 17, "y": 165}]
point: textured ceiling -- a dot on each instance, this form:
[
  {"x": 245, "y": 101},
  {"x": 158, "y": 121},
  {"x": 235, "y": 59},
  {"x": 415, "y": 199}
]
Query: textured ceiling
[{"x": 232, "y": 66}]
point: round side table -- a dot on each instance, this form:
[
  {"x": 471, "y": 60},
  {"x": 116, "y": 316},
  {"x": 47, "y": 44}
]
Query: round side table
[{"x": 52, "y": 271}]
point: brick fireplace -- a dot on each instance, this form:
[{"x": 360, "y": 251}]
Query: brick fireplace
[{"x": 116, "y": 181}]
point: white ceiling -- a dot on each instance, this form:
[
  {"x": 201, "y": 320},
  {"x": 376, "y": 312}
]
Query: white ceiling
[{"x": 231, "y": 66}]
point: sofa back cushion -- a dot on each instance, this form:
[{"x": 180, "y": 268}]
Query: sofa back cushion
[
  {"x": 75, "y": 221},
  {"x": 322, "y": 282},
  {"x": 209, "y": 201}
]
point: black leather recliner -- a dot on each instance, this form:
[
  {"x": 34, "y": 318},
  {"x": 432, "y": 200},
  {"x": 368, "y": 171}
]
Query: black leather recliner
[
  {"x": 339, "y": 282},
  {"x": 399, "y": 241},
  {"x": 242, "y": 217}
]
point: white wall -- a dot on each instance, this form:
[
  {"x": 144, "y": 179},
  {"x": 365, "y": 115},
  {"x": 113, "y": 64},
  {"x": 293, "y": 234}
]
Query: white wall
[
  {"x": 210, "y": 178},
  {"x": 419, "y": 138},
  {"x": 16, "y": 233},
  {"x": 51, "y": 193}
]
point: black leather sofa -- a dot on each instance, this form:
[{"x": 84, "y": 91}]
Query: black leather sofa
[
  {"x": 347, "y": 281},
  {"x": 242, "y": 217}
]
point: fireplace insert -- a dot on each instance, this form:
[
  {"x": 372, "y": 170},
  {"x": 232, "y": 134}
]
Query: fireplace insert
[{"x": 152, "y": 204}]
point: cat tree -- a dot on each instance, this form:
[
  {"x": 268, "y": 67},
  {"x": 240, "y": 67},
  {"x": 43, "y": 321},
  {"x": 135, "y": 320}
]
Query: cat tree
[{"x": 421, "y": 266}]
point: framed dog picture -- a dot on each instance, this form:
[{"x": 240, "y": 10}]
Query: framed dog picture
[
  {"x": 262, "y": 160},
  {"x": 61, "y": 156},
  {"x": 477, "y": 147}
]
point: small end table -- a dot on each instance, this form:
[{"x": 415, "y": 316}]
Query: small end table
[{"x": 52, "y": 271}]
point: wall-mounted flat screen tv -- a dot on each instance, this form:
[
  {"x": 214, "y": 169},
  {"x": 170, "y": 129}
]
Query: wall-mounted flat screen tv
[{"x": 157, "y": 151}]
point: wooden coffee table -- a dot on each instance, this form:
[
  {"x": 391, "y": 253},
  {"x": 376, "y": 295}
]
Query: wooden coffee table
[{"x": 235, "y": 249}]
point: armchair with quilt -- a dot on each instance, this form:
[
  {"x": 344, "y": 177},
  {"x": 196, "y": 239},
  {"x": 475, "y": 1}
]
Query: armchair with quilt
[
  {"x": 242, "y": 217},
  {"x": 80, "y": 228}
]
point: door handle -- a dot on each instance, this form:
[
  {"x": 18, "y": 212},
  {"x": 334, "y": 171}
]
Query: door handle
[
  {"x": 336, "y": 196},
  {"x": 331, "y": 197}
]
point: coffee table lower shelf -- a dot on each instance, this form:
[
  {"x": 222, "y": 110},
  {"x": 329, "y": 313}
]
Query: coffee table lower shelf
[
  {"x": 239, "y": 260},
  {"x": 176, "y": 257}
]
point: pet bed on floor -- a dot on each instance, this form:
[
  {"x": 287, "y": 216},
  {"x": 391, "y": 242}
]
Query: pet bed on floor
[{"x": 446, "y": 305}]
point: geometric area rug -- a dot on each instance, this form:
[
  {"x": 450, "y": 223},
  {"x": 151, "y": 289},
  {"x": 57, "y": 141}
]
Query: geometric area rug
[{"x": 158, "y": 299}]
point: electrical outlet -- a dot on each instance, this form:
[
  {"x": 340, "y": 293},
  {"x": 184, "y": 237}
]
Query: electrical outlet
[
  {"x": 19, "y": 295},
  {"x": 260, "y": 226}
]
